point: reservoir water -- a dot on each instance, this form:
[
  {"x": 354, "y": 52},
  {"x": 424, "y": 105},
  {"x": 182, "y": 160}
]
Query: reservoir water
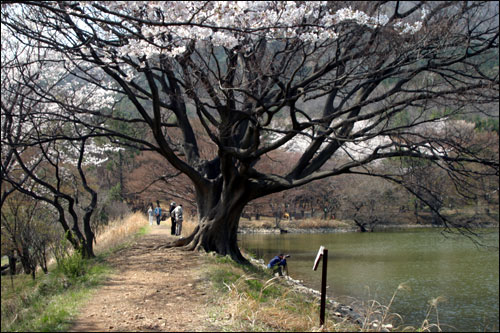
[{"x": 370, "y": 266}]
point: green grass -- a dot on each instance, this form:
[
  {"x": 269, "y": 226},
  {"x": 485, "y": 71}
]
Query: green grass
[
  {"x": 143, "y": 231},
  {"x": 51, "y": 301},
  {"x": 48, "y": 303}
]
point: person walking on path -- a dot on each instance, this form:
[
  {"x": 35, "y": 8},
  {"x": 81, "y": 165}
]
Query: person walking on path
[
  {"x": 158, "y": 212},
  {"x": 178, "y": 219},
  {"x": 150, "y": 214},
  {"x": 172, "y": 218}
]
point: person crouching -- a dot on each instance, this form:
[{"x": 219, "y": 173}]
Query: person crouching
[{"x": 278, "y": 264}]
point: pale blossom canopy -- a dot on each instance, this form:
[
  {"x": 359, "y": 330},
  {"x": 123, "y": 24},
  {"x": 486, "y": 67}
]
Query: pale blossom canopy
[{"x": 167, "y": 27}]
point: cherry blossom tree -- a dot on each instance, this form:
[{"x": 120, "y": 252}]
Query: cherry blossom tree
[
  {"x": 46, "y": 151},
  {"x": 337, "y": 80}
]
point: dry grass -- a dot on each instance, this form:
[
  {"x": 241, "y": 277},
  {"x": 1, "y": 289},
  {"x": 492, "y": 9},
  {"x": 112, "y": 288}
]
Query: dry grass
[
  {"x": 188, "y": 227},
  {"x": 317, "y": 223},
  {"x": 248, "y": 312},
  {"x": 264, "y": 223},
  {"x": 310, "y": 223},
  {"x": 288, "y": 312},
  {"x": 251, "y": 300},
  {"x": 117, "y": 231},
  {"x": 379, "y": 318}
]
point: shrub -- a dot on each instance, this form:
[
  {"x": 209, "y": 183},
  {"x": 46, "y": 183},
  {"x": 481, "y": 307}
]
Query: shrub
[{"x": 72, "y": 266}]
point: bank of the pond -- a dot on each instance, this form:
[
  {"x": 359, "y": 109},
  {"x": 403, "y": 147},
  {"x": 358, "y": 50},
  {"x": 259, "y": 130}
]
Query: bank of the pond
[
  {"x": 334, "y": 308},
  {"x": 423, "y": 266},
  {"x": 322, "y": 230}
]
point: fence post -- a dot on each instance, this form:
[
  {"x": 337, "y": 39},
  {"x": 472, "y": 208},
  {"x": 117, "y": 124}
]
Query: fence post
[{"x": 322, "y": 253}]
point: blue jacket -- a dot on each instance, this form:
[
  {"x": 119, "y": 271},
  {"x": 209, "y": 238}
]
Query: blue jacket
[
  {"x": 158, "y": 211},
  {"x": 276, "y": 261}
]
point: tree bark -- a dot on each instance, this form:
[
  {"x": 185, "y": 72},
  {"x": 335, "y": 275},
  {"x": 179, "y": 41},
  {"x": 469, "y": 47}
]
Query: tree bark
[
  {"x": 88, "y": 249},
  {"x": 12, "y": 263},
  {"x": 218, "y": 220},
  {"x": 25, "y": 260},
  {"x": 218, "y": 234}
]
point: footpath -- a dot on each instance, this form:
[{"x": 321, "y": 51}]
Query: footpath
[{"x": 150, "y": 290}]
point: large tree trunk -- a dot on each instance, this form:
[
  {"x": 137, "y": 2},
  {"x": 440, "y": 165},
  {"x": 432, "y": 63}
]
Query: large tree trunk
[
  {"x": 218, "y": 221},
  {"x": 88, "y": 249},
  {"x": 218, "y": 234},
  {"x": 88, "y": 241},
  {"x": 436, "y": 219},
  {"x": 24, "y": 256}
]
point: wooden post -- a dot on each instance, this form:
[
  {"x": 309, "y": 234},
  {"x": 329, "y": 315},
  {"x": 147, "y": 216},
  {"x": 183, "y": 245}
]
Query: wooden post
[
  {"x": 323, "y": 289},
  {"x": 322, "y": 253}
]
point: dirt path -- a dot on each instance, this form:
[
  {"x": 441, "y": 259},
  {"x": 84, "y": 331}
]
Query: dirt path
[{"x": 150, "y": 290}]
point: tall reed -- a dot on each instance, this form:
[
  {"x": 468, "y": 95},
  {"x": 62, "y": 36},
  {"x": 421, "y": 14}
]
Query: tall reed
[
  {"x": 188, "y": 227},
  {"x": 118, "y": 230}
]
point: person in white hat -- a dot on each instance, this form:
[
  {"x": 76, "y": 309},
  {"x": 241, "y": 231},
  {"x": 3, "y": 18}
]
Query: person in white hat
[{"x": 178, "y": 212}]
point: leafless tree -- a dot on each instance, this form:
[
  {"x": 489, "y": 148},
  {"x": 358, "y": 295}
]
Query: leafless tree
[{"x": 369, "y": 202}]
